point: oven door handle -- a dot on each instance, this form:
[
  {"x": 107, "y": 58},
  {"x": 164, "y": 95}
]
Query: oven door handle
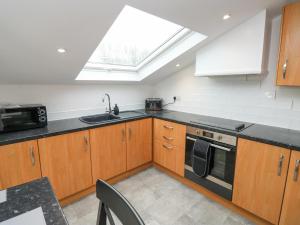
[{"x": 213, "y": 145}]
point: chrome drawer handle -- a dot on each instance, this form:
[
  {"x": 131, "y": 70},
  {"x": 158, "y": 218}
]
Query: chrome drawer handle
[
  {"x": 168, "y": 127},
  {"x": 167, "y": 147},
  {"x": 32, "y": 156},
  {"x": 284, "y": 68},
  {"x": 168, "y": 138},
  {"x": 280, "y": 163},
  {"x": 296, "y": 170}
]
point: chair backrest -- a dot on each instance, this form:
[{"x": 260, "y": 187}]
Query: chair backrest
[{"x": 111, "y": 199}]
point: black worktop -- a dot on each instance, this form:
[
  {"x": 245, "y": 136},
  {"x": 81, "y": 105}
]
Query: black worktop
[
  {"x": 267, "y": 134},
  {"x": 63, "y": 126},
  {"x": 29, "y": 196},
  {"x": 200, "y": 121},
  {"x": 273, "y": 135}
]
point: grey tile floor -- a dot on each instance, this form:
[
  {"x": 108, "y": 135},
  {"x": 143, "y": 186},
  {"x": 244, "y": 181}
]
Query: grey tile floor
[{"x": 160, "y": 200}]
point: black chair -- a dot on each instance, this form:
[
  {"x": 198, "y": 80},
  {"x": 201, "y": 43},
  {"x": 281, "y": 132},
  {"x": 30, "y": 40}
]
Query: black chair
[{"x": 111, "y": 199}]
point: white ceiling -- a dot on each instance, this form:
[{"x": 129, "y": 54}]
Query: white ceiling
[{"x": 32, "y": 30}]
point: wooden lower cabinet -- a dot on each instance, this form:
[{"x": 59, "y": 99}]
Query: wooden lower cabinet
[
  {"x": 290, "y": 214},
  {"x": 260, "y": 176},
  {"x": 66, "y": 161},
  {"x": 139, "y": 142},
  {"x": 108, "y": 148},
  {"x": 169, "y": 145},
  {"x": 19, "y": 163}
]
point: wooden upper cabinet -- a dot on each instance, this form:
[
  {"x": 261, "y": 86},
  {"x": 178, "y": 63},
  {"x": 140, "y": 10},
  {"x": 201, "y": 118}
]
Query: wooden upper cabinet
[
  {"x": 260, "y": 176},
  {"x": 290, "y": 214},
  {"x": 108, "y": 146},
  {"x": 139, "y": 143},
  {"x": 288, "y": 71},
  {"x": 66, "y": 161},
  {"x": 169, "y": 145},
  {"x": 19, "y": 163}
]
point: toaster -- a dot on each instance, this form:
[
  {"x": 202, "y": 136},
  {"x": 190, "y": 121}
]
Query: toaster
[{"x": 153, "y": 104}]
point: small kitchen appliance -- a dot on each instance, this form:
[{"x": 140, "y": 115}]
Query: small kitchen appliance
[
  {"x": 22, "y": 117},
  {"x": 153, "y": 104}
]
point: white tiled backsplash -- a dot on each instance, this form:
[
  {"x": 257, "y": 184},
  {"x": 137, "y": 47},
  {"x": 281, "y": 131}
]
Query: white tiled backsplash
[
  {"x": 69, "y": 101},
  {"x": 247, "y": 98}
]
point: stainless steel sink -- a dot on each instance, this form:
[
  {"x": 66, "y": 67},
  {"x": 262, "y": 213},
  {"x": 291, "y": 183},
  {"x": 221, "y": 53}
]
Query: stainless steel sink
[{"x": 98, "y": 118}]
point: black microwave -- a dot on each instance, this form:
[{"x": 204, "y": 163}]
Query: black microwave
[{"x": 22, "y": 117}]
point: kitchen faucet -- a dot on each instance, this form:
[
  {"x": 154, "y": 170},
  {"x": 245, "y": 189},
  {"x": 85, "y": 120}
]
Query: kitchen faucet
[{"x": 109, "y": 106}]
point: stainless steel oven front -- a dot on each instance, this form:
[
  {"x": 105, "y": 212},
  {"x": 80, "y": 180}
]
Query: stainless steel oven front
[{"x": 222, "y": 161}]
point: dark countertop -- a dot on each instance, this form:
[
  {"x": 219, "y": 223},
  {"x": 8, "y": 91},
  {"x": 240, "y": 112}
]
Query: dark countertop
[
  {"x": 200, "y": 121},
  {"x": 64, "y": 126},
  {"x": 26, "y": 197},
  {"x": 271, "y": 135}
]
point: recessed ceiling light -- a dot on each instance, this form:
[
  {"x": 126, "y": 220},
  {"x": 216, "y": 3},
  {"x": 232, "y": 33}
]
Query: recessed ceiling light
[
  {"x": 226, "y": 16},
  {"x": 177, "y": 65},
  {"x": 61, "y": 50}
]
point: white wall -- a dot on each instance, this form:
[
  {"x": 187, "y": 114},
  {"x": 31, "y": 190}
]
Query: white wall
[
  {"x": 247, "y": 98},
  {"x": 67, "y": 101}
]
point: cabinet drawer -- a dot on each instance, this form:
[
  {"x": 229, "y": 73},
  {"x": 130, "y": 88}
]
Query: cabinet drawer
[
  {"x": 165, "y": 155},
  {"x": 169, "y": 132},
  {"x": 169, "y": 156}
]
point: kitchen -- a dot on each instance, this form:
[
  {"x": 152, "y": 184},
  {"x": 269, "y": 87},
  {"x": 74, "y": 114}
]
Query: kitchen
[{"x": 203, "y": 129}]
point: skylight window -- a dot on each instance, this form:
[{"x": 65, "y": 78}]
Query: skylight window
[{"x": 134, "y": 36}]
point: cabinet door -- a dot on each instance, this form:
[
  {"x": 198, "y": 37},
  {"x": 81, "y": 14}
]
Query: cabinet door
[
  {"x": 139, "y": 143},
  {"x": 19, "y": 163},
  {"x": 288, "y": 71},
  {"x": 291, "y": 205},
  {"x": 108, "y": 145},
  {"x": 66, "y": 161},
  {"x": 260, "y": 176}
]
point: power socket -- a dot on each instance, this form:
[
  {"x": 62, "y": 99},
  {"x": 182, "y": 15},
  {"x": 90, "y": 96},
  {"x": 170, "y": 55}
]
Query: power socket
[{"x": 176, "y": 98}]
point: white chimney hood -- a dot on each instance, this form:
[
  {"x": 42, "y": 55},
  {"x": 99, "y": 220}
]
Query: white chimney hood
[{"x": 237, "y": 52}]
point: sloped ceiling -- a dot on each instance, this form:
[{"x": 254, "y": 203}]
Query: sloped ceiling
[{"x": 32, "y": 30}]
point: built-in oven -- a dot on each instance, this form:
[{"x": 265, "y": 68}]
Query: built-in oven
[{"x": 221, "y": 164}]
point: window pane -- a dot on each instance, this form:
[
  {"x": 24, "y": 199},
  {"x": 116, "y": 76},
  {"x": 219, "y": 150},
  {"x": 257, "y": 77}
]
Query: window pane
[{"x": 133, "y": 37}]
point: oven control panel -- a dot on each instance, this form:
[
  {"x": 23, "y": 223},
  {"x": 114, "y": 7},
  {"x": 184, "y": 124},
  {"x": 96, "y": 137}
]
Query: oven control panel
[{"x": 211, "y": 135}]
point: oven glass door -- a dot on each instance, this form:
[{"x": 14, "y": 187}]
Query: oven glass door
[
  {"x": 222, "y": 160},
  {"x": 222, "y": 164}
]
